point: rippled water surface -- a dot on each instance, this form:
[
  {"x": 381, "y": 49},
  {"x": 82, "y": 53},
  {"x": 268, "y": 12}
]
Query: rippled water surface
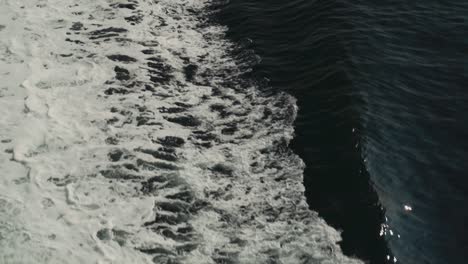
[
  {"x": 132, "y": 132},
  {"x": 382, "y": 125},
  {"x": 168, "y": 131}
]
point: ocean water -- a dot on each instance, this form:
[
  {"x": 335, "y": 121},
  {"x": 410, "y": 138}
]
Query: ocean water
[
  {"x": 382, "y": 121},
  {"x": 232, "y": 132},
  {"x": 133, "y": 132}
]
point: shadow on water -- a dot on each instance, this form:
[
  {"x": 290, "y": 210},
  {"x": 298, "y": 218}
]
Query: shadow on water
[{"x": 302, "y": 46}]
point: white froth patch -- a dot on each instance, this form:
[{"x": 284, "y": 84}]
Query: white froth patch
[{"x": 62, "y": 197}]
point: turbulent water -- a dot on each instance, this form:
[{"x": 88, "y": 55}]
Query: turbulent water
[
  {"x": 131, "y": 132},
  {"x": 382, "y": 123},
  {"x": 198, "y": 131}
]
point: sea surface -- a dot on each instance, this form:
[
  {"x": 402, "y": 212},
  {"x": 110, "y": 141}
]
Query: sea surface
[
  {"x": 134, "y": 132},
  {"x": 382, "y": 125},
  {"x": 232, "y": 132}
]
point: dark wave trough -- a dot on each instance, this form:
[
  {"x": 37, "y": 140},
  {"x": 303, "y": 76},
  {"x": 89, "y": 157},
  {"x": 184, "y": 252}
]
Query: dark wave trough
[{"x": 382, "y": 115}]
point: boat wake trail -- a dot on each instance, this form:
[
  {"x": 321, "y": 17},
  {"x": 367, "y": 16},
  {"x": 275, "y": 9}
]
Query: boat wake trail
[{"x": 129, "y": 135}]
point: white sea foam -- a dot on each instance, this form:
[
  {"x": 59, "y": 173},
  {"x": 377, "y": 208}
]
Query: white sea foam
[{"x": 127, "y": 136}]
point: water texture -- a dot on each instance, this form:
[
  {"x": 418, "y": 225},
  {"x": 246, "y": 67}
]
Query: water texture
[
  {"x": 131, "y": 133},
  {"x": 382, "y": 124}
]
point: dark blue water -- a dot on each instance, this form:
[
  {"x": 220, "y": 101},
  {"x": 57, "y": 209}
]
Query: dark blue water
[{"x": 383, "y": 121}]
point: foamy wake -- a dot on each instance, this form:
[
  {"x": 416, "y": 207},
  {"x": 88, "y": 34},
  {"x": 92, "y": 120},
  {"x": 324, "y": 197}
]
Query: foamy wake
[{"x": 127, "y": 136}]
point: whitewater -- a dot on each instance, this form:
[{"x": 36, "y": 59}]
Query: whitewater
[{"x": 128, "y": 135}]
